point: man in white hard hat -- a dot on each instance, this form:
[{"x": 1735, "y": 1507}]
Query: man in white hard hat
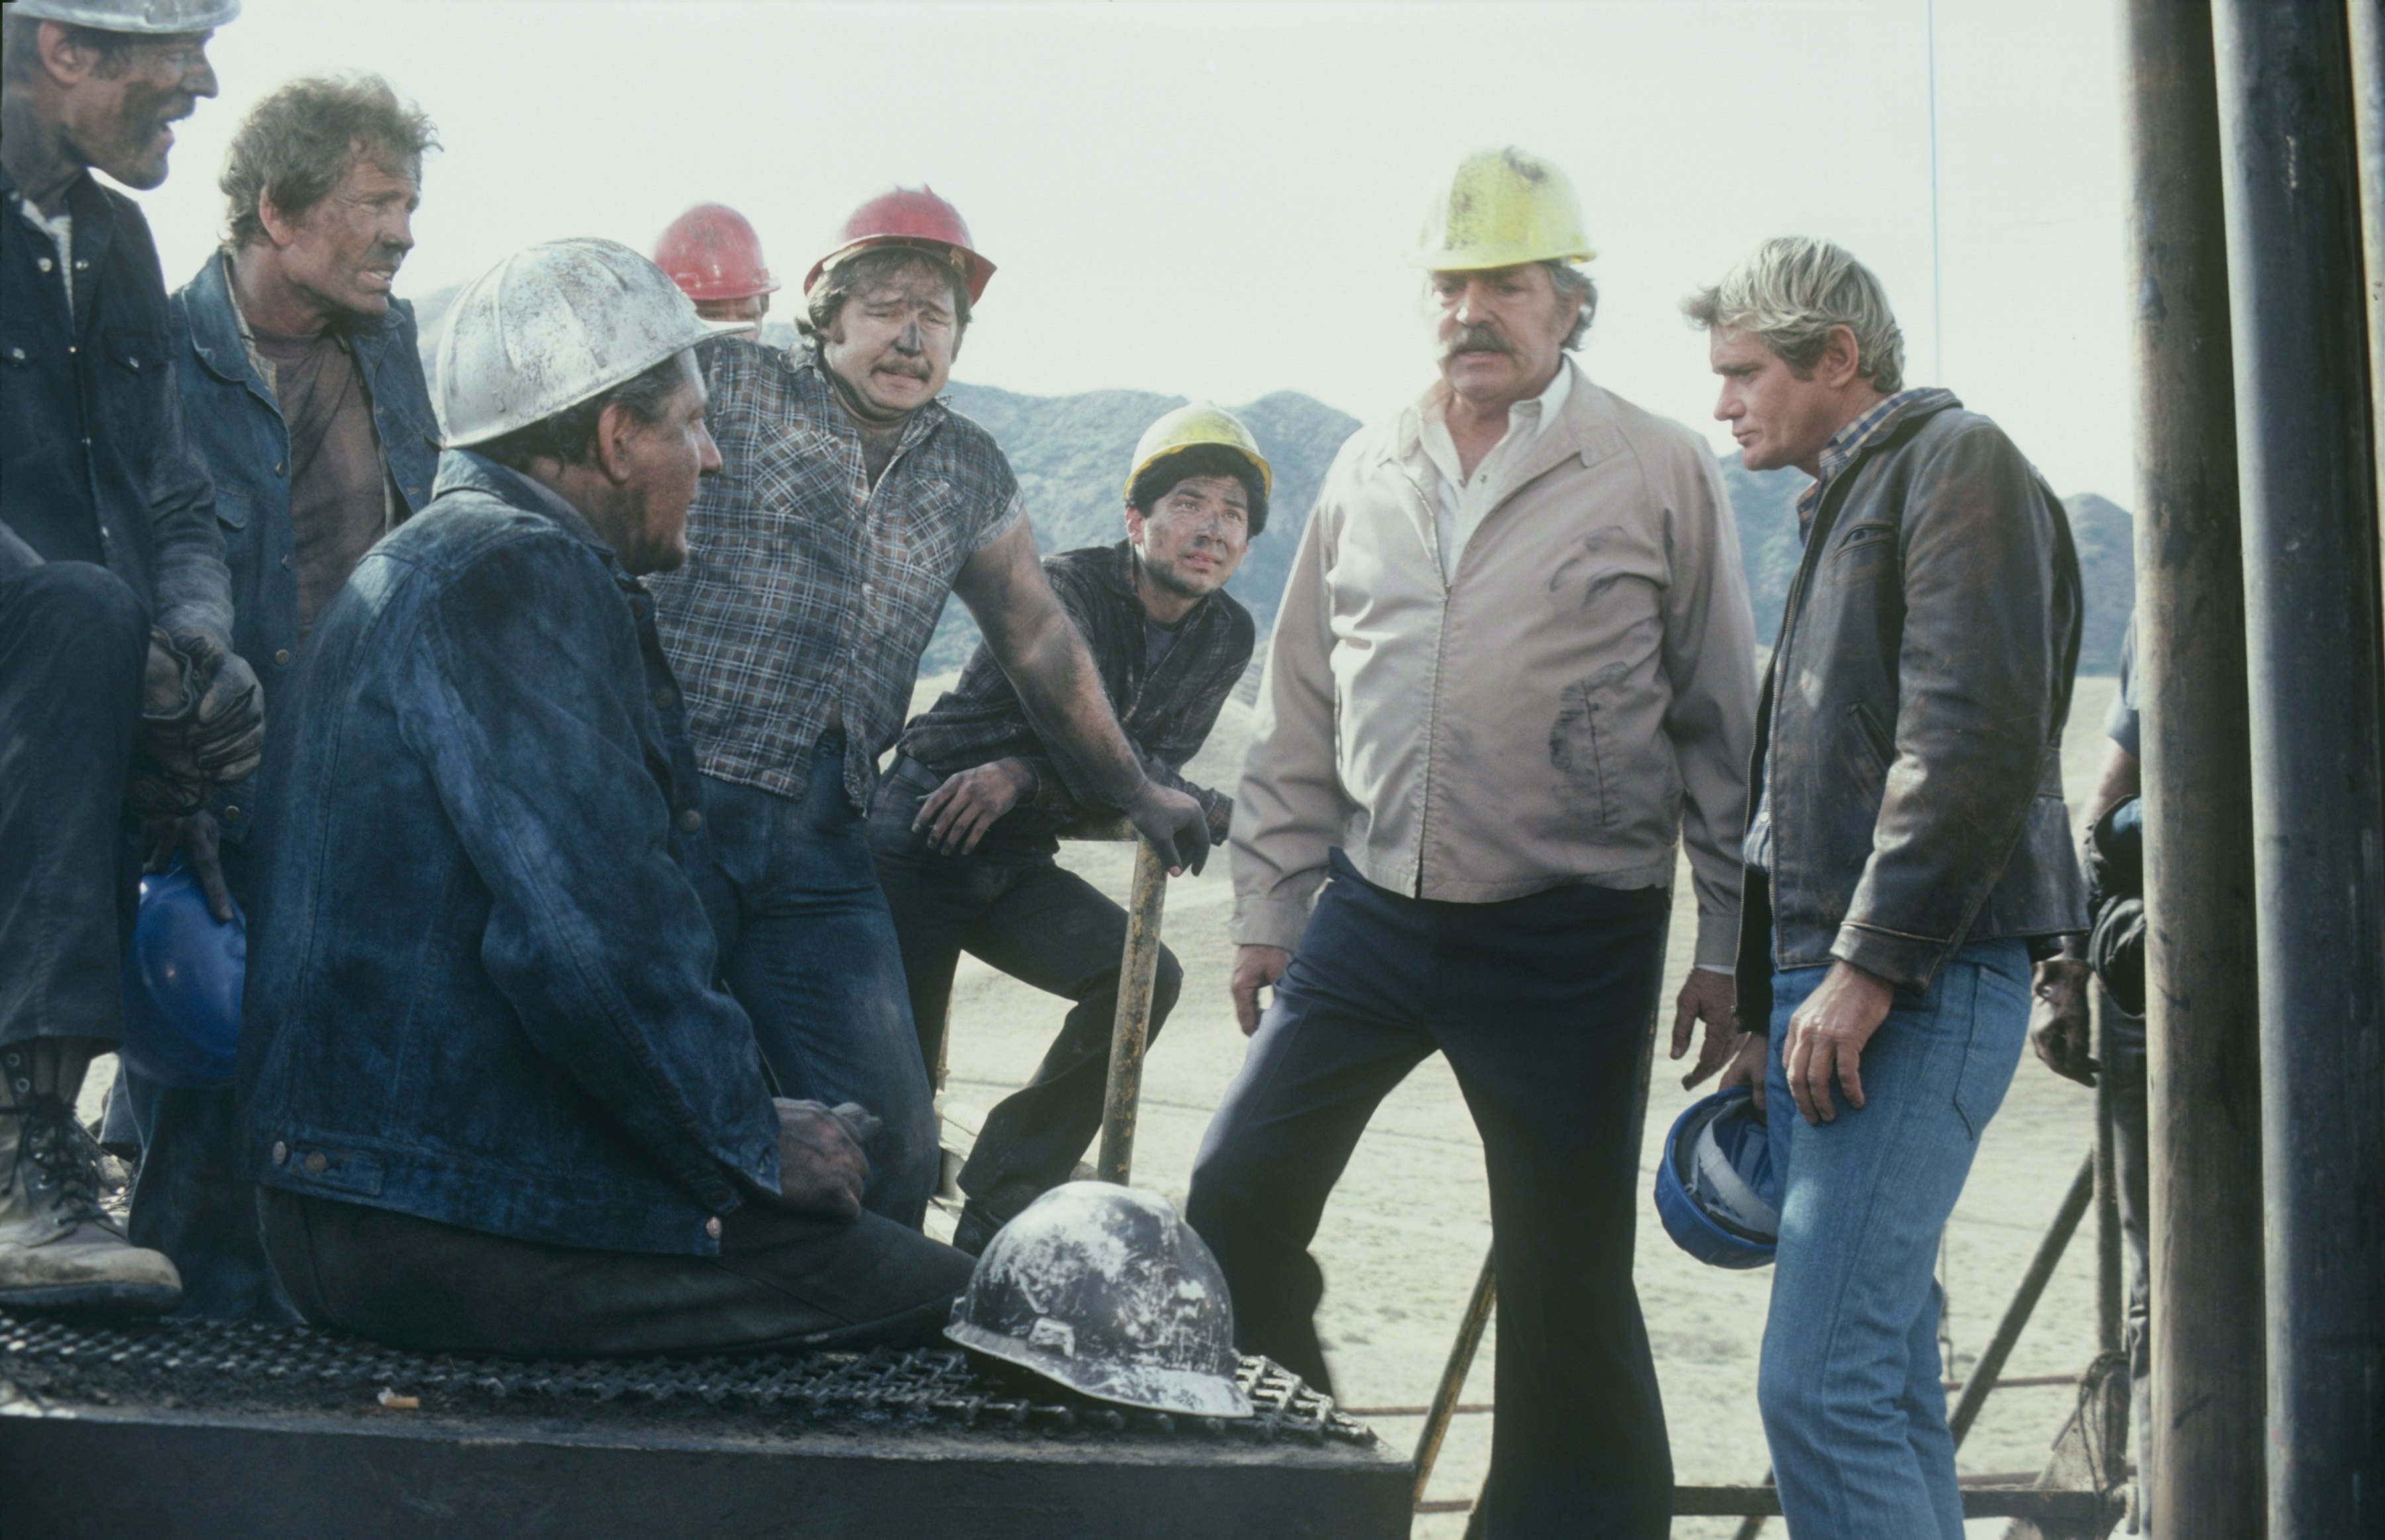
[
  {"x": 120, "y": 692},
  {"x": 965, "y": 826},
  {"x": 854, "y": 505},
  {"x": 303, "y": 386},
  {"x": 1513, "y": 670},
  {"x": 499, "y": 1102}
]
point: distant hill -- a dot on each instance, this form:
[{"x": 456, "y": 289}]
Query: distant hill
[
  {"x": 1070, "y": 454},
  {"x": 1765, "y": 507}
]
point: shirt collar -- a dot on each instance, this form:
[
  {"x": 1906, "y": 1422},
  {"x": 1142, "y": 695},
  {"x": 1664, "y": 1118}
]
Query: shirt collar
[{"x": 1875, "y": 423}]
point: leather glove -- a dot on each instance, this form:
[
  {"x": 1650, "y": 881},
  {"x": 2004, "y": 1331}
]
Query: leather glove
[{"x": 209, "y": 721}]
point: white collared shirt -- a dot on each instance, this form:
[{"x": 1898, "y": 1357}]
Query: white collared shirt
[{"x": 1459, "y": 505}]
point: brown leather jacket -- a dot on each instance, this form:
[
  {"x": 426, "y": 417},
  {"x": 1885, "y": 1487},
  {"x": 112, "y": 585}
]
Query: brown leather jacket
[{"x": 1923, "y": 675}]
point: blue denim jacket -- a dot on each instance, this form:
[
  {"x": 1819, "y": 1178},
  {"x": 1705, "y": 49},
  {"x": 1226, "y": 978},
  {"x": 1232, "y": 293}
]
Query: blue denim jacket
[
  {"x": 481, "y": 986},
  {"x": 237, "y": 425}
]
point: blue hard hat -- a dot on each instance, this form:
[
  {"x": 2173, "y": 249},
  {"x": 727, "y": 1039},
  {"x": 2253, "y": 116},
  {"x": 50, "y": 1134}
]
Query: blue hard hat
[
  {"x": 182, "y": 978},
  {"x": 1716, "y": 1188}
]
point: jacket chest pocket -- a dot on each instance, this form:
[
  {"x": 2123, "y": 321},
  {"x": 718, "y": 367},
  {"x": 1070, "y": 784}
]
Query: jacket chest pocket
[{"x": 132, "y": 374}]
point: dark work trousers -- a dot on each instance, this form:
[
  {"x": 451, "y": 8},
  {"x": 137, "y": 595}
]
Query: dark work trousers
[
  {"x": 781, "y": 1280},
  {"x": 73, "y": 642},
  {"x": 1543, "y": 1005},
  {"x": 807, "y": 949},
  {"x": 195, "y": 1198},
  {"x": 2124, "y": 1061},
  {"x": 1013, "y": 906}
]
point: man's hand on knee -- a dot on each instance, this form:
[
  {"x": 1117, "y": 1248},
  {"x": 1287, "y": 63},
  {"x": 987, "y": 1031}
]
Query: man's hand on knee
[
  {"x": 821, "y": 1168},
  {"x": 1256, "y": 968}
]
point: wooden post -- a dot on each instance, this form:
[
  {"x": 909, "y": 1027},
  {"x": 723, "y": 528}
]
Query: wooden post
[
  {"x": 1131, "y": 1030},
  {"x": 1452, "y": 1374},
  {"x": 2201, "y": 1454}
]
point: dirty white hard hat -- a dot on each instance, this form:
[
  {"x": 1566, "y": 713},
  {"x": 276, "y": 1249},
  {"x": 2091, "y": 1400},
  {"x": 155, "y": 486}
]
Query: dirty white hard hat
[
  {"x": 156, "y": 17},
  {"x": 551, "y": 326}
]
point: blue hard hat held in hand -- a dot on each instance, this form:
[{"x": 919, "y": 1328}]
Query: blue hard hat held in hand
[
  {"x": 183, "y": 977},
  {"x": 1716, "y": 1188}
]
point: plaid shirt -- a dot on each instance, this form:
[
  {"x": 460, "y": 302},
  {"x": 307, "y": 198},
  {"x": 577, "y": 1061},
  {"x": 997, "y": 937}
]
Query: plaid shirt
[
  {"x": 1167, "y": 711},
  {"x": 1875, "y": 424},
  {"x": 805, "y": 590}
]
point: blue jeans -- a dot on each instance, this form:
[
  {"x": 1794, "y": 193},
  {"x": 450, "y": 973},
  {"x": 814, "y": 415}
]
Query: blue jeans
[
  {"x": 808, "y": 948},
  {"x": 1542, "y": 1005},
  {"x": 1850, "y": 1387}
]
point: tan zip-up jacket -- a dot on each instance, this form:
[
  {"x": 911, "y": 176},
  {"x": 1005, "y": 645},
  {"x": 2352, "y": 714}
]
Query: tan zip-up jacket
[{"x": 1581, "y": 694}]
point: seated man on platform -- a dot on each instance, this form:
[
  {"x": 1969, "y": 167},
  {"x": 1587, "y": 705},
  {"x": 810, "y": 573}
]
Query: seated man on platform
[
  {"x": 963, "y": 827},
  {"x": 499, "y": 1101}
]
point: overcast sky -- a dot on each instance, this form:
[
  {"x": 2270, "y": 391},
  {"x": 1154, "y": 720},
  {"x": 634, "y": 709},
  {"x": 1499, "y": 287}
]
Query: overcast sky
[{"x": 1214, "y": 200}]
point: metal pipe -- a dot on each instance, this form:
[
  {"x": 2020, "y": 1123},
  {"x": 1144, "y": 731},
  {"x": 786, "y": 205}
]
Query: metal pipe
[
  {"x": 1452, "y": 1374},
  {"x": 1131, "y": 1031},
  {"x": 2315, "y": 656},
  {"x": 2368, "y": 25},
  {"x": 2200, "y": 1455},
  {"x": 2024, "y": 1302}
]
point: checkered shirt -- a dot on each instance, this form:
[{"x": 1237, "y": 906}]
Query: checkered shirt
[{"x": 805, "y": 589}]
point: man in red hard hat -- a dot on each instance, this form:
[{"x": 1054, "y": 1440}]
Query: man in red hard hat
[
  {"x": 853, "y": 504},
  {"x": 713, "y": 254}
]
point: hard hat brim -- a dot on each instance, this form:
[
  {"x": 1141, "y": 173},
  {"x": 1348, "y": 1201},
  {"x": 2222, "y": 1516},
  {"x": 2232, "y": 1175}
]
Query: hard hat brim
[
  {"x": 1460, "y": 262},
  {"x": 976, "y": 271},
  {"x": 1181, "y": 1391}
]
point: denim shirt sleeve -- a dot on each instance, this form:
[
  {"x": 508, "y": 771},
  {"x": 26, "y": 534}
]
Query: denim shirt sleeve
[
  {"x": 526, "y": 698},
  {"x": 194, "y": 583}
]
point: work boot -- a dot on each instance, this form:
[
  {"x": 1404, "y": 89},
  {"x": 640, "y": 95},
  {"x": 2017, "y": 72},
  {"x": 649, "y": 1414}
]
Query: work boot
[
  {"x": 58, "y": 1248},
  {"x": 981, "y": 1219}
]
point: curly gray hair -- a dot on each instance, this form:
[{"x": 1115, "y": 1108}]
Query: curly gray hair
[
  {"x": 300, "y": 141},
  {"x": 1792, "y": 292}
]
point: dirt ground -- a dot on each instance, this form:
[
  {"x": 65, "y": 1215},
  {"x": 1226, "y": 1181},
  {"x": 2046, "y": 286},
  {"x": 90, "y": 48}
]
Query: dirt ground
[{"x": 1408, "y": 1226}]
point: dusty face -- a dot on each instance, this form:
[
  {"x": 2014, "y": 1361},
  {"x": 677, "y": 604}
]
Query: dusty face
[
  {"x": 894, "y": 345},
  {"x": 748, "y": 310},
  {"x": 120, "y": 123},
  {"x": 1194, "y": 537},
  {"x": 1778, "y": 418},
  {"x": 661, "y": 462},
  {"x": 343, "y": 253},
  {"x": 1500, "y": 330}
]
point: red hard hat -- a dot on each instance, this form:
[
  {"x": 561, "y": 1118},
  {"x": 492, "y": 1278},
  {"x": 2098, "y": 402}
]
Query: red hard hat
[
  {"x": 910, "y": 217},
  {"x": 712, "y": 254}
]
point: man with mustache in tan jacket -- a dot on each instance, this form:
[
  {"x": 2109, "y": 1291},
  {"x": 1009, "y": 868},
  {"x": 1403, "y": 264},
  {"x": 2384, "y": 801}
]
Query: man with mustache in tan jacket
[{"x": 1513, "y": 666}]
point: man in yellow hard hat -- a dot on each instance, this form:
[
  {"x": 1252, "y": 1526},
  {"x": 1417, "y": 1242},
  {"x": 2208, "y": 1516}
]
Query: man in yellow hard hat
[
  {"x": 963, "y": 826},
  {"x": 1513, "y": 671}
]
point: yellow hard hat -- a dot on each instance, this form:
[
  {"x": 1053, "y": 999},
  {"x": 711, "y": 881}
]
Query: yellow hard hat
[
  {"x": 1200, "y": 423},
  {"x": 1500, "y": 208}
]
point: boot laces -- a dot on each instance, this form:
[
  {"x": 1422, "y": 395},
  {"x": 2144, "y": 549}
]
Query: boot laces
[{"x": 65, "y": 1159}]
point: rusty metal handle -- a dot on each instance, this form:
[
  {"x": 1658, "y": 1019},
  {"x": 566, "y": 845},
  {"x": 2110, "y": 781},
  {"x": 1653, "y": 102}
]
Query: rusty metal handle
[
  {"x": 1453, "y": 1374},
  {"x": 1131, "y": 1031}
]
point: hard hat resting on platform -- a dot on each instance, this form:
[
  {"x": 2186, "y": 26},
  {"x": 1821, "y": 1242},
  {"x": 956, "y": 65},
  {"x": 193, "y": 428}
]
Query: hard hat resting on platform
[
  {"x": 553, "y": 325},
  {"x": 909, "y": 217},
  {"x": 1107, "y": 1291},
  {"x": 712, "y": 252},
  {"x": 182, "y": 980},
  {"x": 155, "y": 18},
  {"x": 1716, "y": 1188},
  {"x": 1500, "y": 208},
  {"x": 1200, "y": 423}
]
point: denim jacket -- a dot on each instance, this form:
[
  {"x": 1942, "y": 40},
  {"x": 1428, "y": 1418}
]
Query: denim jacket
[
  {"x": 95, "y": 464},
  {"x": 237, "y": 425},
  {"x": 481, "y": 989},
  {"x": 1911, "y": 722}
]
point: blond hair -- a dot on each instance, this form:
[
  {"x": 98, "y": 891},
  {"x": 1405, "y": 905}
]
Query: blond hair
[{"x": 1791, "y": 292}]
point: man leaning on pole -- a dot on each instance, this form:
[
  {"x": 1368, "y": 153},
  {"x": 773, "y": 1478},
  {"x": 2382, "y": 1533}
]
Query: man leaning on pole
[
  {"x": 1513, "y": 666},
  {"x": 1908, "y": 849},
  {"x": 121, "y": 698},
  {"x": 853, "y": 503}
]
